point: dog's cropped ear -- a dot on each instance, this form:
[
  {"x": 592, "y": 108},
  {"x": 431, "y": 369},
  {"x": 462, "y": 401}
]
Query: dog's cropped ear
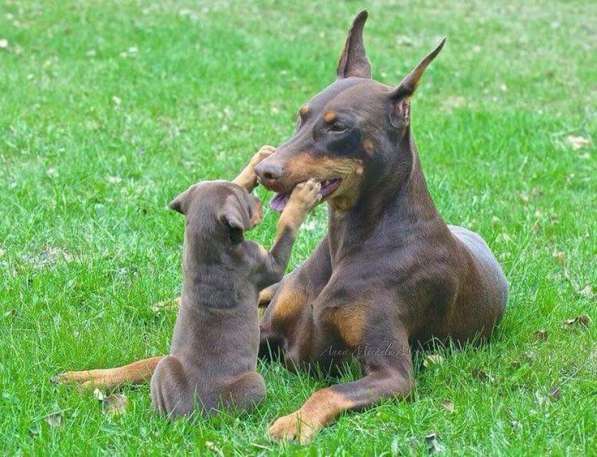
[
  {"x": 179, "y": 203},
  {"x": 400, "y": 97},
  {"x": 353, "y": 60},
  {"x": 235, "y": 216}
]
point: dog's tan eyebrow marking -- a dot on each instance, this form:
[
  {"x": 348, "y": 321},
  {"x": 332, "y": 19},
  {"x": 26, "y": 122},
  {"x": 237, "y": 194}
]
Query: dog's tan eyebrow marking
[
  {"x": 368, "y": 146},
  {"x": 329, "y": 116},
  {"x": 304, "y": 110}
]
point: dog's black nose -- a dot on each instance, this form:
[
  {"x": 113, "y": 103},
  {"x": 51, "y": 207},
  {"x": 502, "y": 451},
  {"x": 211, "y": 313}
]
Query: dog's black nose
[{"x": 269, "y": 172}]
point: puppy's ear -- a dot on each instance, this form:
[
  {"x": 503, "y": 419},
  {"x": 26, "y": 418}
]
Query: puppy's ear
[
  {"x": 179, "y": 204},
  {"x": 235, "y": 217}
]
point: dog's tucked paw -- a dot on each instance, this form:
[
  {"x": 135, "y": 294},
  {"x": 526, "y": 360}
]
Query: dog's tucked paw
[{"x": 293, "y": 428}]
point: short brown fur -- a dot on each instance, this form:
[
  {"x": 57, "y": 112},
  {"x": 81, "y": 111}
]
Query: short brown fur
[
  {"x": 213, "y": 356},
  {"x": 386, "y": 241}
]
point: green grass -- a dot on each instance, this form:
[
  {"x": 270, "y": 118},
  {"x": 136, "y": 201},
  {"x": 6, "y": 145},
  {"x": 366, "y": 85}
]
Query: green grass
[{"x": 108, "y": 109}]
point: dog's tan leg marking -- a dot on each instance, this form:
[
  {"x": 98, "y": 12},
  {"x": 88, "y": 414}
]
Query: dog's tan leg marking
[
  {"x": 266, "y": 295},
  {"x": 110, "y": 378},
  {"x": 389, "y": 373},
  {"x": 289, "y": 304},
  {"x": 247, "y": 177},
  {"x": 318, "y": 411},
  {"x": 296, "y": 210},
  {"x": 325, "y": 405},
  {"x": 350, "y": 321}
]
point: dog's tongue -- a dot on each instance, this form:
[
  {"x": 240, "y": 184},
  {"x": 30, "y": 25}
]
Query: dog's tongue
[{"x": 279, "y": 202}]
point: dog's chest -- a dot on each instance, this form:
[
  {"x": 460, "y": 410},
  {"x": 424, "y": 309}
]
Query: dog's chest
[{"x": 305, "y": 342}]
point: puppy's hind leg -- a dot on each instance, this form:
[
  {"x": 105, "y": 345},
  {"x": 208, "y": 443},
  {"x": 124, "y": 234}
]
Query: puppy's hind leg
[
  {"x": 245, "y": 392},
  {"x": 171, "y": 393}
]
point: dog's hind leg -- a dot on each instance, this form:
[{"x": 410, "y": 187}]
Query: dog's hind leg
[
  {"x": 171, "y": 394},
  {"x": 110, "y": 378},
  {"x": 244, "y": 393},
  {"x": 137, "y": 372}
]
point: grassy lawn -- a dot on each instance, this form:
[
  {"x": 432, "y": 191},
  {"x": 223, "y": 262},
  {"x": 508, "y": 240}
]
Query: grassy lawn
[{"x": 109, "y": 109}]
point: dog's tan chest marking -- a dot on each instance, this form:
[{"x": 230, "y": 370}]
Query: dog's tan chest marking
[{"x": 349, "y": 321}]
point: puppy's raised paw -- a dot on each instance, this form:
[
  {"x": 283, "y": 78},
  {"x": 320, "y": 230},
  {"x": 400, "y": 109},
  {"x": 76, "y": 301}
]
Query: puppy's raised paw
[
  {"x": 306, "y": 194},
  {"x": 262, "y": 154}
]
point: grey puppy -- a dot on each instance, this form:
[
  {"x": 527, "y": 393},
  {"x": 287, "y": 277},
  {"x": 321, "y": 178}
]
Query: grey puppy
[{"x": 213, "y": 355}]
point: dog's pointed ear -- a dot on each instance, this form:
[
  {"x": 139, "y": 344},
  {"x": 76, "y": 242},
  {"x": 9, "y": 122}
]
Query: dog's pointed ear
[
  {"x": 235, "y": 216},
  {"x": 400, "y": 97},
  {"x": 179, "y": 204},
  {"x": 410, "y": 82},
  {"x": 353, "y": 60}
]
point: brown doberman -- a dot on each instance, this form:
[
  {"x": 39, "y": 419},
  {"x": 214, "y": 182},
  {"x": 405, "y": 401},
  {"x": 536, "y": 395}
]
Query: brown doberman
[
  {"x": 213, "y": 354},
  {"x": 390, "y": 274}
]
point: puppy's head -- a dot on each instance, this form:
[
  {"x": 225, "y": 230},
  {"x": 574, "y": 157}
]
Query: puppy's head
[{"x": 218, "y": 207}]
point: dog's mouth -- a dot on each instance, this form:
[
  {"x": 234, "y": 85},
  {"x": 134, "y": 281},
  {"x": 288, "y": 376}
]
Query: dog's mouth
[{"x": 328, "y": 187}]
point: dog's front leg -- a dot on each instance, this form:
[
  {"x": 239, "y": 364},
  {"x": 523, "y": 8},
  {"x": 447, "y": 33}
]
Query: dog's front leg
[
  {"x": 247, "y": 177},
  {"x": 380, "y": 343},
  {"x": 325, "y": 405},
  {"x": 289, "y": 299},
  {"x": 272, "y": 264}
]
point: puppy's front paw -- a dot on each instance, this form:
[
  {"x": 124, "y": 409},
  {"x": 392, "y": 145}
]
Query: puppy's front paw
[
  {"x": 248, "y": 178},
  {"x": 306, "y": 195},
  {"x": 262, "y": 154}
]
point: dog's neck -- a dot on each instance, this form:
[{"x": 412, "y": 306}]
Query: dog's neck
[
  {"x": 202, "y": 248},
  {"x": 395, "y": 203}
]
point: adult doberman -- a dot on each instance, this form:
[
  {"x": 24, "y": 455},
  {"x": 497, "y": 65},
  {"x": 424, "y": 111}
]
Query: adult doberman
[{"x": 389, "y": 275}]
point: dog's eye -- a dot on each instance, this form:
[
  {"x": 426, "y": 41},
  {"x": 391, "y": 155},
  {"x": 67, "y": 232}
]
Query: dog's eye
[{"x": 337, "y": 127}]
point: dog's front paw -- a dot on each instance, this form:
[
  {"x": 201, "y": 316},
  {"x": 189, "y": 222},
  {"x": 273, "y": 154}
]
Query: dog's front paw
[
  {"x": 262, "y": 154},
  {"x": 248, "y": 178},
  {"x": 293, "y": 428},
  {"x": 306, "y": 195}
]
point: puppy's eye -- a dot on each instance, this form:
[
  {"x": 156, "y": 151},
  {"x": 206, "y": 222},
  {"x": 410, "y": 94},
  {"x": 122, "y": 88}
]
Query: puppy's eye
[{"x": 337, "y": 127}]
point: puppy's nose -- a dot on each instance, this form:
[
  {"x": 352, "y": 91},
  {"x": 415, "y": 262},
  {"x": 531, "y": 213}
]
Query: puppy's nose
[{"x": 269, "y": 172}]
